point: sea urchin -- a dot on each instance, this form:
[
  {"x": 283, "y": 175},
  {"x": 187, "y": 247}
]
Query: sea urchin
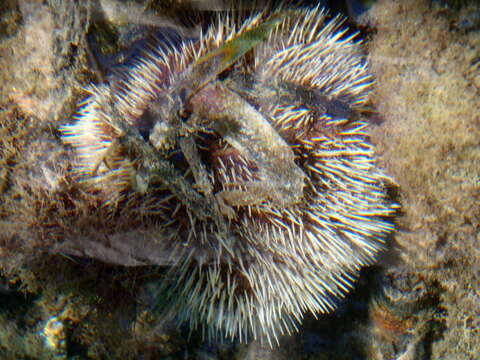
[{"x": 247, "y": 150}]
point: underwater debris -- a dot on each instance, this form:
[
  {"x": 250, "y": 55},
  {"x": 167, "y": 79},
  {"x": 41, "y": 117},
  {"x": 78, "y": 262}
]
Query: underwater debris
[{"x": 54, "y": 334}]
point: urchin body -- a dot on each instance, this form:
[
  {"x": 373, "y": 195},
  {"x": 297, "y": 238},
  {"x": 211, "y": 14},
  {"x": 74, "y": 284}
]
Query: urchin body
[{"x": 258, "y": 172}]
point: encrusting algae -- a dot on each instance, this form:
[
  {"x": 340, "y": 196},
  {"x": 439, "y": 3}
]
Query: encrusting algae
[{"x": 428, "y": 88}]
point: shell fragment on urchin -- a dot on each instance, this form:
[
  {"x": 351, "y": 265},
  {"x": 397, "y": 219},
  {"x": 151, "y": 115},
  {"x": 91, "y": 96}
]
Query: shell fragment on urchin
[{"x": 257, "y": 168}]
